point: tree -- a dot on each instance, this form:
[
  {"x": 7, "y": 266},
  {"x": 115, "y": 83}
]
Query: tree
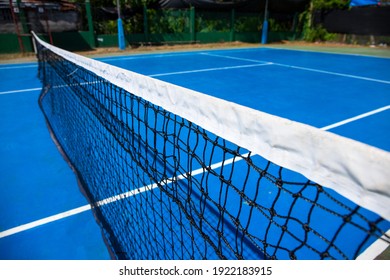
[{"x": 318, "y": 33}]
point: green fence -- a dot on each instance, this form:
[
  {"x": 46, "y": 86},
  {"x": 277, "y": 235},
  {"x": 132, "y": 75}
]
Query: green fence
[
  {"x": 147, "y": 26},
  {"x": 191, "y": 26},
  {"x": 70, "y": 27}
]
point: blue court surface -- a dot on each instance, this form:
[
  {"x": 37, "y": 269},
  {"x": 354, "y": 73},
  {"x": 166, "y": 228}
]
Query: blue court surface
[{"x": 43, "y": 213}]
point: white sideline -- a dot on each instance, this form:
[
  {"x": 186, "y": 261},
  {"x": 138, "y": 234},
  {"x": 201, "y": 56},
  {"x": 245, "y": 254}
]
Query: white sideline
[
  {"x": 20, "y": 90},
  {"x": 303, "y": 68},
  {"x": 358, "y": 117},
  {"x": 106, "y": 201},
  {"x": 209, "y": 69}
]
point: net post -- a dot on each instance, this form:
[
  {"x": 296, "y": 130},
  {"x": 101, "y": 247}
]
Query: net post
[
  {"x": 121, "y": 35},
  {"x": 264, "y": 34}
]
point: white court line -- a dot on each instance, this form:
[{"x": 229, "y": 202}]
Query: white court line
[
  {"x": 59, "y": 86},
  {"x": 209, "y": 69},
  {"x": 328, "y": 52},
  {"x": 304, "y": 68},
  {"x": 235, "y": 58},
  {"x": 153, "y": 75},
  {"x": 18, "y": 67},
  {"x": 334, "y": 73},
  {"x": 20, "y": 90},
  {"x": 150, "y": 187},
  {"x": 44, "y": 221},
  {"x": 106, "y": 201},
  {"x": 373, "y": 112},
  {"x": 262, "y": 63},
  {"x": 370, "y": 253},
  {"x": 165, "y": 54},
  {"x": 143, "y": 56},
  {"x": 379, "y": 245}
]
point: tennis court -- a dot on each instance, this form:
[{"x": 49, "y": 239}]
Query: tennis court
[{"x": 45, "y": 216}]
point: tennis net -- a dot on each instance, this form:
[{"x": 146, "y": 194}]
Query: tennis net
[{"x": 175, "y": 174}]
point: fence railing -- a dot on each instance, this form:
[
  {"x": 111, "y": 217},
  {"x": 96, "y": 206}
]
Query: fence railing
[{"x": 80, "y": 27}]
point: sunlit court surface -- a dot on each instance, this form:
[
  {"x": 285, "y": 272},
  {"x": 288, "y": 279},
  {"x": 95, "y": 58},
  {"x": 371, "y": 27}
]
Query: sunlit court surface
[{"x": 90, "y": 171}]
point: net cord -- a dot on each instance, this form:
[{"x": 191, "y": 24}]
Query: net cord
[{"x": 355, "y": 170}]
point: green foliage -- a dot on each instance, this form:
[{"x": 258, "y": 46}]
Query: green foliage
[
  {"x": 313, "y": 33},
  {"x": 212, "y": 22},
  {"x": 178, "y": 21},
  {"x": 168, "y": 21},
  {"x": 132, "y": 25},
  {"x": 279, "y": 26},
  {"x": 329, "y": 4},
  {"x": 106, "y": 27},
  {"x": 248, "y": 23},
  {"x": 135, "y": 24},
  {"x": 318, "y": 34}
]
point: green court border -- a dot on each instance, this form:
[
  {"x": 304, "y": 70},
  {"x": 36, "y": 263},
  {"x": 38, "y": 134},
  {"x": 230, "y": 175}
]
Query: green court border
[
  {"x": 375, "y": 51},
  {"x": 340, "y": 49}
]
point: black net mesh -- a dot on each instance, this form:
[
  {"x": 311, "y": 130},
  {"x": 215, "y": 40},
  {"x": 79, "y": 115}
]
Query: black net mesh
[{"x": 162, "y": 187}]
